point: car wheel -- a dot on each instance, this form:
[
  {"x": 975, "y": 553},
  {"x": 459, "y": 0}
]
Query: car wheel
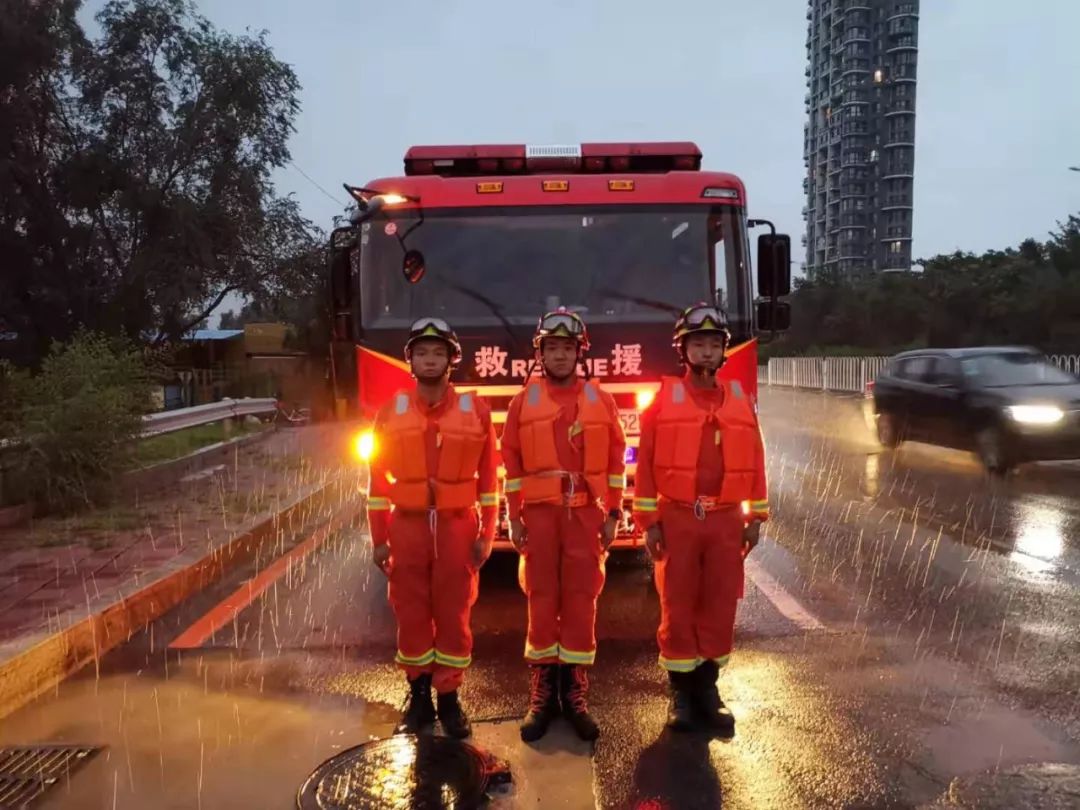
[
  {"x": 990, "y": 446},
  {"x": 887, "y": 431}
]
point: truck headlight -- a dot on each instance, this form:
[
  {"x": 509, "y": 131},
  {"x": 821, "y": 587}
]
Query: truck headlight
[
  {"x": 364, "y": 445},
  {"x": 1036, "y": 414}
]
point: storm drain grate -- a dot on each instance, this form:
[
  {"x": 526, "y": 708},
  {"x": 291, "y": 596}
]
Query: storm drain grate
[{"x": 27, "y": 772}]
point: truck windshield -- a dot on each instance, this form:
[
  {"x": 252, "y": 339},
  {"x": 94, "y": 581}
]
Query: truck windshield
[{"x": 612, "y": 264}]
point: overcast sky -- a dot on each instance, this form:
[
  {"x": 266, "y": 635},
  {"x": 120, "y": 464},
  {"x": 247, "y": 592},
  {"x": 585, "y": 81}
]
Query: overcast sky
[{"x": 998, "y": 115}]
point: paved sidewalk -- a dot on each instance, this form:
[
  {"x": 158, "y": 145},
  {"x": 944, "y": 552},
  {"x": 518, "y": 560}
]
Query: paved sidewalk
[{"x": 55, "y": 572}]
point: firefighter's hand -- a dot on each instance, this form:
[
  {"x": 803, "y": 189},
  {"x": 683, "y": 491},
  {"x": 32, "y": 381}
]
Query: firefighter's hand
[
  {"x": 519, "y": 535},
  {"x": 751, "y": 536},
  {"x": 654, "y": 542},
  {"x": 481, "y": 550},
  {"x": 380, "y": 555},
  {"x": 611, "y": 529}
]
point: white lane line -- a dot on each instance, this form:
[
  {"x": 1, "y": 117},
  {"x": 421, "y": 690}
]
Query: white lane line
[{"x": 787, "y": 604}]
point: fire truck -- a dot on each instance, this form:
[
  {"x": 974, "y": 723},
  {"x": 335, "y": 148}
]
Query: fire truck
[{"x": 490, "y": 237}]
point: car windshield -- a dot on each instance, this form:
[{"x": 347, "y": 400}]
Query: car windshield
[
  {"x": 611, "y": 264},
  {"x": 1016, "y": 368}
]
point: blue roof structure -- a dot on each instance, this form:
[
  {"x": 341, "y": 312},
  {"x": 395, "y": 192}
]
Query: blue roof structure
[{"x": 215, "y": 334}]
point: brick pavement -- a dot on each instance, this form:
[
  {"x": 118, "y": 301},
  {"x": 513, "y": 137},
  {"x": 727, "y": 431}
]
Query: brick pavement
[{"x": 53, "y": 572}]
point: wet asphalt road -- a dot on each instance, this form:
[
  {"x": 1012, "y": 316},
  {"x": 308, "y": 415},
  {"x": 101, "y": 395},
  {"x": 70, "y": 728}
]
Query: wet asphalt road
[{"x": 942, "y": 643}]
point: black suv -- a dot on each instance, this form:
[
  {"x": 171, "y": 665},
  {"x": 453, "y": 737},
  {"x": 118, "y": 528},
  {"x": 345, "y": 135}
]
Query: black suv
[{"x": 1008, "y": 404}]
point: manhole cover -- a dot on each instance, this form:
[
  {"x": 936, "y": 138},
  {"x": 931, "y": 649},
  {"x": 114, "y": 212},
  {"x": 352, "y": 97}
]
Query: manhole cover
[
  {"x": 28, "y": 772},
  {"x": 404, "y": 771}
]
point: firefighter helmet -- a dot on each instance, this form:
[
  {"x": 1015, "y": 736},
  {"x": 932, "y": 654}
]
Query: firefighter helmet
[
  {"x": 699, "y": 318},
  {"x": 434, "y": 329},
  {"x": 562, "y": 323}
]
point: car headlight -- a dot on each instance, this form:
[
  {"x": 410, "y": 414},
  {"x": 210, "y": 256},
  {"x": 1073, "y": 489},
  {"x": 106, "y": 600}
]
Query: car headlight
[{"x": 1036, "y": 414}]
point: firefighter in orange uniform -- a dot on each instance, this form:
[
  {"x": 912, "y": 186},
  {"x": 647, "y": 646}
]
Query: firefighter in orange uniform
[
  {"x": 700, "y": 494},
  {"x": 436, "y": 464},
  {"x": 563, "y": 450}
]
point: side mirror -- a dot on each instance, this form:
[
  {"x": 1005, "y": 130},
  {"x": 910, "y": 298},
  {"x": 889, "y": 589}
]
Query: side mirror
[
  {"x": 773, "y": 316},
  {"x": 413, "y": 266},
  {"x": 774, "y": 265},
  {"x": 342, "y": 296}
]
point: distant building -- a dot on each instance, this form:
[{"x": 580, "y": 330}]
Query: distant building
[{"x": 859, "y": 139}]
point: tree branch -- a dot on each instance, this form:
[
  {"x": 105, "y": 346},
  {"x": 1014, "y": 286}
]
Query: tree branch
[{"x": 203, "y": 315}]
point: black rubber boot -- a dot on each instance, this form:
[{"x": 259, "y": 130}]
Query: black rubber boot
[
  {"x": 709, "y": 708},
  {"x": 681, "y": 709},
  {"x": 543, "y": 701},
  {"x": 453, "y": 718},
  {"x": 573, "y": 690},
  {"x": 419, "y": 710}
]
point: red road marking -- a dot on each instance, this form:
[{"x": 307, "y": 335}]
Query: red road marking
[{"x": 230, "y": 607}]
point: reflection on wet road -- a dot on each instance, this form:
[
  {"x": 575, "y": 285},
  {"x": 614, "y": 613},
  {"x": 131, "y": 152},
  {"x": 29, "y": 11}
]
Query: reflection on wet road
[{"x": 907, "y": 622}]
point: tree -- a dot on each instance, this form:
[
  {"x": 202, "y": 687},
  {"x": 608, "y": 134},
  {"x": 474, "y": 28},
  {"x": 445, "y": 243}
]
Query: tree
[
  {"x": 146, "y": 197},
  {"x": 1028, "y": 295}
]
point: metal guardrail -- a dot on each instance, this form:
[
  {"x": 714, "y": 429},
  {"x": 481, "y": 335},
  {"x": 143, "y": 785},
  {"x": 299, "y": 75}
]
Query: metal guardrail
[
  {"x": 850, "y": 374},
  {"x": 155, "y": 424},
  {"x": 169, "y": 421}
]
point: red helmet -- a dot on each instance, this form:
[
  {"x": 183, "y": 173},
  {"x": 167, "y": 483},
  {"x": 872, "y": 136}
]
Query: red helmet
[
  {"x": 702, "y": 317},
  {"x": 434, "y": 329},
  {"x": 562, "y": 323}
]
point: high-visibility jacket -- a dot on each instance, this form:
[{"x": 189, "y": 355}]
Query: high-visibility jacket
[
  {"x": 541, "y": 482},
  {"x": 453, "y": 484},
  {"x": 680, "y": 425}
]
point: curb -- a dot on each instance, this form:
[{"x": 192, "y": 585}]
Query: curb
[
  {"x": 169, "y": 472},
  {"x": 48, "y": 659}
]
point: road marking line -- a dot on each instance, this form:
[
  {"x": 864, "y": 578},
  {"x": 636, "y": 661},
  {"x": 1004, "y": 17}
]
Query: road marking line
[
  {"x": 787, "y": 604},
  {"x": 231, "y": 606}
]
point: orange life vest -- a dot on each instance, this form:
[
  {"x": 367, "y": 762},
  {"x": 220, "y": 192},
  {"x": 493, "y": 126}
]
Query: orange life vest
[
  {"x": 680, "y": 425},
  {"x": 541, "y": 482},
  {"x": 461, "y": 443}
]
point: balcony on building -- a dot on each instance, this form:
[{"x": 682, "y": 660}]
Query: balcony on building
[
  {"x": 901, "y": 106},
  {"x": 903, "y": 42}
]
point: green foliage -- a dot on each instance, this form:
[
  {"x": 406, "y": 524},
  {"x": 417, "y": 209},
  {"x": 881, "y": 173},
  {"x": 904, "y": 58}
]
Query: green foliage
[
  {"x": 73, "y": 424},
  {"x": 1027, "y": 295},
  {"x": 137, "y": 192}
]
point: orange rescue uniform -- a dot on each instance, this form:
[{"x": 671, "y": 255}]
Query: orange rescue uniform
[
  {"x": 701, "y": 475},
  {"x": 564, "y": 453},
  {"x": 435, "y": 466}
]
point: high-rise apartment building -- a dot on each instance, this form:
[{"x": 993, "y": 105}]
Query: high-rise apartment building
[{"x": 859, "y": 139}]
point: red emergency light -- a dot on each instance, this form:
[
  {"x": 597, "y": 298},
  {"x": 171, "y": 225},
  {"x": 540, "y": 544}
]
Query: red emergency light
[{"x": 593, "y": 158}]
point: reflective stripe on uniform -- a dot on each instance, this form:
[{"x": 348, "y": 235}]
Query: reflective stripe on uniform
[
  {"x": 722, "y": 661},
  {"x": 538, "y": 655},
  {"x": 489, "y": 499},
  {"x": 645, "y": 504},
  {"x": 759, "y": 507},
  {"x": 616, "y": 481},
  {"x": 378, "y": 504},
  {"x": 415, "y": 661},
  {"x": 513, "y": 485},
  {"x": 679, "y": 664},
  {"x": 574, "y": 657},
  {"x": 456, "y": 661}
]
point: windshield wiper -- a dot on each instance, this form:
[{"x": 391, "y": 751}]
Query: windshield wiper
[{"x": 487, "y": 302}]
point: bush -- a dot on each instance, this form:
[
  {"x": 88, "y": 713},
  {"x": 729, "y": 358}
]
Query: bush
[{"x": 73, "y": 425}]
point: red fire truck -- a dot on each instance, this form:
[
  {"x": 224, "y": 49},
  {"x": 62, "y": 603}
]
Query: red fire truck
[{"x": 490, "y": 237}]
